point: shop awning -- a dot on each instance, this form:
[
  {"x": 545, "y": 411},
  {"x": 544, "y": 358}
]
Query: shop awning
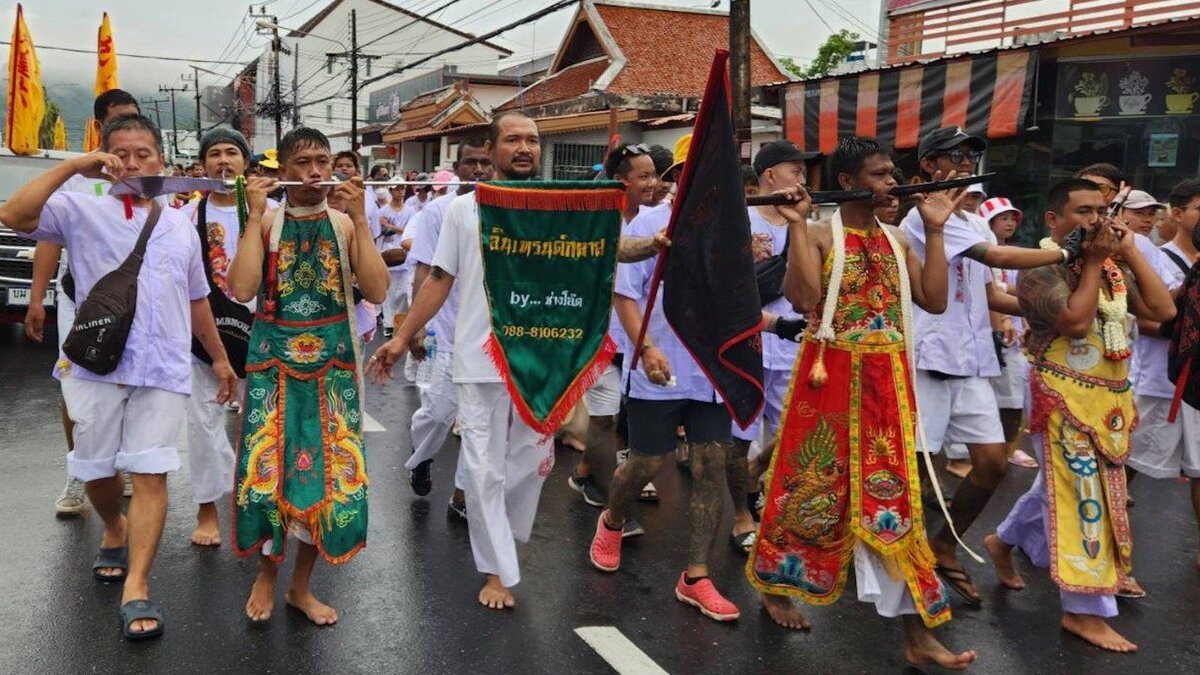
[{"x": 987, "y": 94}]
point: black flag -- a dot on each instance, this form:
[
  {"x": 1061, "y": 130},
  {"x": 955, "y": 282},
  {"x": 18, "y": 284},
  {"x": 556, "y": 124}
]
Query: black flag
[{"x": 710, "y": 297}]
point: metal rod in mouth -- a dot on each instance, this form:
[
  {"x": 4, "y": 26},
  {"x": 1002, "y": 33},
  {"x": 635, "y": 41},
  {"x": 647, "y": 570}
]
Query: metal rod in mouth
[
  {"x": 840, "y": 196},
  {"x": 367, "y": 183}
]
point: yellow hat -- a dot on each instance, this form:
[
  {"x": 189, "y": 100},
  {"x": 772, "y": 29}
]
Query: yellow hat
[
  {"x": 682, "y": 145},
  {"x": 270, "y": 159}
]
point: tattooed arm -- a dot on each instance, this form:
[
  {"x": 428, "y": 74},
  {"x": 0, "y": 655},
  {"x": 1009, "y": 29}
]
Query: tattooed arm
[
  {"x": 637, "y": 249},
  {"x": 1013, "y": 257},
  {"x": 1049, "y": 303}
]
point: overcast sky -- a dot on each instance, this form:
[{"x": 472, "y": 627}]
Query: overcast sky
[{"x": 220, "y": 30}]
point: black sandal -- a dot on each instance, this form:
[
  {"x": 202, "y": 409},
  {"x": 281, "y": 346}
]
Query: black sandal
[
  {"x": 959, "y": 582},
  {"x": 116, "y": 558},
  {"x": 140, "y": 610}
]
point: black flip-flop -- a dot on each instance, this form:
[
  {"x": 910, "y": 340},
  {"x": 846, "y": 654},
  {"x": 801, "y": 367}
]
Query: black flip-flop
[
  {"x": 742, "y": 543},
  {"x": 117, "y": 557},
  {"x": 140, "y": 610},
  {"x": 953, "y": 578}
]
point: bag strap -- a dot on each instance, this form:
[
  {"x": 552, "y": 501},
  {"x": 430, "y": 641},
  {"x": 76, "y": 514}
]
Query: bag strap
[
  {"x": 1175, "y": 258},
  {"x": 139, "y": 249},
  {"x": 202, "y": 231}
]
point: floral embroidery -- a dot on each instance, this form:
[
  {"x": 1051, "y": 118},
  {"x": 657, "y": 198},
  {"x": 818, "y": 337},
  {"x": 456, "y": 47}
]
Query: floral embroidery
[
  {"x": 305, "y": 274},
  {"x": 887, "y": 524},
  {"x": 304, "y": 460},
  {"x": 306, "y": 348}
]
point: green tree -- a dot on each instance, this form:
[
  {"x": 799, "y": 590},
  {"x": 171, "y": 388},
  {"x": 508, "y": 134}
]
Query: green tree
[
  {"x": 789, "y": 64},
  {"x": 46, "y": 131},
  {"x": 832, "y": 52}
]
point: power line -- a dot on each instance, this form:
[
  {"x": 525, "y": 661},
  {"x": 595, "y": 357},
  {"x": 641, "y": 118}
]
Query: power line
[
  {"x": 92, "y": 52},
  {"x": 562, "y": 4}
]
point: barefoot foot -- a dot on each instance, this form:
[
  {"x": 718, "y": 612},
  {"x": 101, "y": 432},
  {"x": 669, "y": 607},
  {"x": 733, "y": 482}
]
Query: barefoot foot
[
  {"x": 784, "y": 612},
  {"x": 494, "y": 595},
  {"x": 1096, "y": 631},
  {"x": 208, "y": 530},
  {"x": 261, "y": 602},
  {"x": 316, "y": 611},
  {"x": 1002, "y": 560},
  {"x": 921, "y": 647}
]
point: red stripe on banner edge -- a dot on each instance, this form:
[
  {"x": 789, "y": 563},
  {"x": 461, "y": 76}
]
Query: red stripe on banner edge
[
  {"x": 605, "y": 199},
  {"x": 565, "y": 403},
  {"x": 757, "y": 328}
]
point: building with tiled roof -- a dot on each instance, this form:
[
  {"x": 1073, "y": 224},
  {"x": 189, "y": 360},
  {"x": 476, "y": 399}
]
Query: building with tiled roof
[{"x": 621, "y": 67}]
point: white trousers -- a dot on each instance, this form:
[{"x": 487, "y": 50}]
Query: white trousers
[
  {"x": 210, "y": 456},
  {"x": 432, "y": 422},
  {"x": 399, "y": 295},
  {"x": 891, "y": 597},
  {"x": 506, "y": 463},
  {"x": 120, "y": 428}
]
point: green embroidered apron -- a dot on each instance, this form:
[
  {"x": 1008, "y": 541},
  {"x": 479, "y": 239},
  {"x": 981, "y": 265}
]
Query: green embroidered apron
[{"x": 301, "y": 461}]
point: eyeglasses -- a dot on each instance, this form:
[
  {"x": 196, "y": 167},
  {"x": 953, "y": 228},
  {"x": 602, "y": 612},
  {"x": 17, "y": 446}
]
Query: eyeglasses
[
  {"x": 957, "y": 156},
  {"x": 634, "y": 150},
  {"x": 1106, "y": 191}
]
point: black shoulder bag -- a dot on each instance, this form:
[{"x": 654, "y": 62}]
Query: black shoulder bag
[
  {"x": 768, "y": 273},
  {"x": 97, "y": 339},
  {"x": 233, "y": 319}
]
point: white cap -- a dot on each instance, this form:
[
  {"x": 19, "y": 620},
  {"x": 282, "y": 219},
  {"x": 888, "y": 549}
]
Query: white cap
[
  {"x": 977, "y": 187},
  {"x": 1140, "y": 199},
  {"x": 997, "y": 205}
]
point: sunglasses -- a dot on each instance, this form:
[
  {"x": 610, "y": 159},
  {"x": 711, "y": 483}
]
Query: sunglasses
[
  {"x": 957, "y": 156},
  {"x": 634, "y": 150},
  {"x": 1106, "y": 191}
]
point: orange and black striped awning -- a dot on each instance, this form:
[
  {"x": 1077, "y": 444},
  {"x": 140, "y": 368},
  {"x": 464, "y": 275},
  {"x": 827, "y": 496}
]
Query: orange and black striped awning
[{"x": 986, "y": 94}]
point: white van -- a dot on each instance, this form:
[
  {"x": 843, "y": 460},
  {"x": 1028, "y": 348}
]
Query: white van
[{"x": 16, "y": 250}]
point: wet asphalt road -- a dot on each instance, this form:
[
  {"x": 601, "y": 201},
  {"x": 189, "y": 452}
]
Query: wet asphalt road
[{"x": 407, "y": 602}]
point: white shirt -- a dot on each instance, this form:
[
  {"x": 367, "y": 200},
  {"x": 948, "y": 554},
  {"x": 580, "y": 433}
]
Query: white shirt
[
  {"x": 767, "y": 240},
  {"x": 633, "y": 282},
  {"x": 158, "y": 351},
  {"x": 425, "y": 230},
  {"x": 1150, "y": 350},
  {"x": 398, "y": 221},
  {"x": 458, "y": 254},
  {"x": 958, "y": 341}
]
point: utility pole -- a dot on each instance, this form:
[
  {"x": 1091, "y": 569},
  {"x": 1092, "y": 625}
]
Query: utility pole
[
  {"x": 739, "y": 73},
  {"x": 174, "y": 127},
  {"x": 157, "y": 112},
  {"x": 295, "y": 85},
  {"x": 353, "y": 56},
  {"x": 196, "y": 83}
]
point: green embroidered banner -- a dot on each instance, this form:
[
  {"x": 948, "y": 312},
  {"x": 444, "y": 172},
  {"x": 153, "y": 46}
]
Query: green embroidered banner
[{"x": 549, "y": 259}]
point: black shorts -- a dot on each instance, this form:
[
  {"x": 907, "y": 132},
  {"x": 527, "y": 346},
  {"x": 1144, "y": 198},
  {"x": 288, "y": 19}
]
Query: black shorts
[{"x": 652, "y": 424}]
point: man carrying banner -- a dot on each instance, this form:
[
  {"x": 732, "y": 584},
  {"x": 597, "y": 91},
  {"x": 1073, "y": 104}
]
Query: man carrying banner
[
  {"x": 842, "y": 486},
  {"x": 506, "y": 459},
  {"x": 1074, "y": 518},
  {"x": 301, "y": 465}
]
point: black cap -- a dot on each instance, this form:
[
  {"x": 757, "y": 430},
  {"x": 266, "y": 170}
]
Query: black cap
[
  {"x": 948, "y": 138},
  {"x": 778, "y": 152}
]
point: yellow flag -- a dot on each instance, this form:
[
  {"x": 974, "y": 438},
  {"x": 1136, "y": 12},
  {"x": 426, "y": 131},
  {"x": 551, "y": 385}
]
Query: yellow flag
[
  {"x": 106, "y": 58},
  {"x": 26, "y": 102},
  {"x": 91, "y": 139},
  {"x": 60, "y": 134}
]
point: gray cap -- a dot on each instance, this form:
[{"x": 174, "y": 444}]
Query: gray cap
[{"x": 225, "y": 135}]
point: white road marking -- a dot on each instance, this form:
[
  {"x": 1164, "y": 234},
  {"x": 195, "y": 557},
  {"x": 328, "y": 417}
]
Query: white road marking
[
  {"x": 620, "y": 653},
  {"x": 370, "y": 424}
]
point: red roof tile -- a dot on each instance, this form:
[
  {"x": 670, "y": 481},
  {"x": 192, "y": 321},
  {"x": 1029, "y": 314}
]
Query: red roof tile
[
  {"x": 567, "y": 83},
  {"x": 670, "y": 52}
]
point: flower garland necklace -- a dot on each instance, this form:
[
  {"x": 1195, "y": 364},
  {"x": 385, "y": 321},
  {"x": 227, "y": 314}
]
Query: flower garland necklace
[{"x": 1112, "y": 307}]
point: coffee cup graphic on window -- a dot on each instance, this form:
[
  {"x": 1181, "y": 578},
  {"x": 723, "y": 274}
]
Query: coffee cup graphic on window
[
  {"x": 1134, "y": 105},
  {"x": 1181, "y": 103},
  {"x": 1089, "y": 106}
]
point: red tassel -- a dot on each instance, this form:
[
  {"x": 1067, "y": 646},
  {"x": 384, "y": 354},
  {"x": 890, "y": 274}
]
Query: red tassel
[
  {"x": 565, "y": 403},
  {"x": 128, "y": 201},
  {"x": 1180, "y": 383}
]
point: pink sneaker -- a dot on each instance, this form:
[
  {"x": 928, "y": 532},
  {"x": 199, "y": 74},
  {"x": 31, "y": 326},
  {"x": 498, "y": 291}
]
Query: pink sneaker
[
  {"x": 605, "y": 552},
  {"x": 705, "y": 597}
]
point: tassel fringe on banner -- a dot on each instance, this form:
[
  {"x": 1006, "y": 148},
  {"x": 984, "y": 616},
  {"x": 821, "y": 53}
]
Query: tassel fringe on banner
[
  {"x": 565, "y": 403},
  {"x": 549, "y": 199}
]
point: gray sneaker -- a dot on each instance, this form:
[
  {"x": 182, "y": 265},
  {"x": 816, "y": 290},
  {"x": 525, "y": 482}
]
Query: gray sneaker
[{"x": 72, "y": 501}]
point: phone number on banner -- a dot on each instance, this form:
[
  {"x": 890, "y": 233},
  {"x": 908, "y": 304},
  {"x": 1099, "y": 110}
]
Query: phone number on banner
[{"x": 542, "y": 332}]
